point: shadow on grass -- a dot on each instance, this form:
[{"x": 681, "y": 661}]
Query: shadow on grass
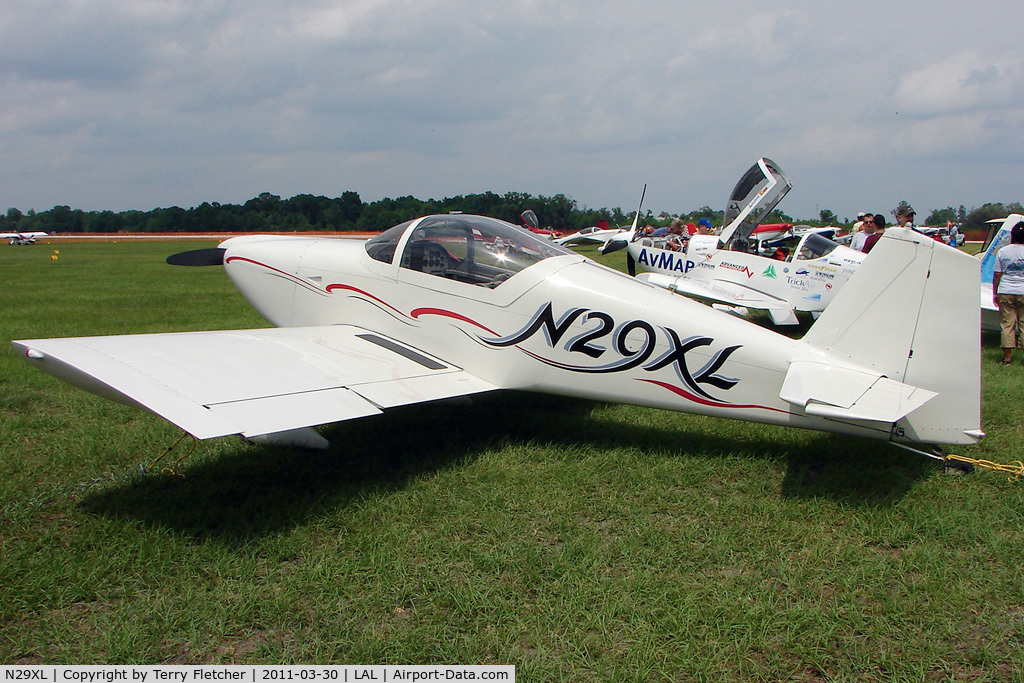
[
  {"x": 261, "y": 490},
  {"x": 266, "y": 490},
  {"x": 854, "y": 471}
]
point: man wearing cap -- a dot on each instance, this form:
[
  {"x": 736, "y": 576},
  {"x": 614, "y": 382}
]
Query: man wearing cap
[
  {"x": 859, "y": 225},
  {"x": 905, "y": 216}
]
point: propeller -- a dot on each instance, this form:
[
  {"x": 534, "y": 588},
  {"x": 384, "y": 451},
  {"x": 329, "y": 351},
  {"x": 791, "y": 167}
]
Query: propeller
[
  {"x": 613, "y": 246},
  {"x": 198, "y": 257}
]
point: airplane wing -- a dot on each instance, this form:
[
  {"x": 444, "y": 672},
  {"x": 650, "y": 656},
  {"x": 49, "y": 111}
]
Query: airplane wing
[
  {"x": 724, "y": 292},
  {"x": 254, "y": 382}
]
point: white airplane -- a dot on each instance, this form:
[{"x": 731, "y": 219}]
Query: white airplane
[
  {"x": 597, "y": 234},
  {"x": 21, "y": 237},
  {"x": 603, "y": 235},
  {"x": 735, "y": 271},
  {"x": 453, "y": 305},
  {"x": 997, "y": 238}
]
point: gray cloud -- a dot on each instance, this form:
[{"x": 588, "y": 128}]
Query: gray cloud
[{"x": 169, "y": 102}]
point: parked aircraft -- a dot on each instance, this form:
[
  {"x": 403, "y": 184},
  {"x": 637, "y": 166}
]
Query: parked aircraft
[
  {"x": 531, "y": 223},
  {"x": 736, "y": 271},
  {"x": 614, "y": 237},
  {"x": 21, "y": 237},
  {"x": 454, "y": 305},
  {"x": 997, "y": 238},
  {"x": 597, "y": 234}
]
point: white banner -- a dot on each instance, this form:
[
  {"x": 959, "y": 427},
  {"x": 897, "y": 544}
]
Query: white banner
[{"x": 113, "y": 673}]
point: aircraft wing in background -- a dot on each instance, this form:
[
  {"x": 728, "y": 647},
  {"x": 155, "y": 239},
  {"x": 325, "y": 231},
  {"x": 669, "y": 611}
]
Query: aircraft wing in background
[{"x": 731, "y": 294}]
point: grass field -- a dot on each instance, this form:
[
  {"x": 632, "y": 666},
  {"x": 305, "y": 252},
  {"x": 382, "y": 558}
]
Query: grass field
[{"x": 578, "y": 541}]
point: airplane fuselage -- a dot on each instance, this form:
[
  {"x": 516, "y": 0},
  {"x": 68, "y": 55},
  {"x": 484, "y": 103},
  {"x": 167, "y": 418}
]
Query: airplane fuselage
[
  {"x": 806, "y": 284},
  {"x": 565, "y": 326}
]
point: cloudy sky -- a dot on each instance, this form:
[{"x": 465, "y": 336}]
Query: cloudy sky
[{"x": 135, "y": 104}]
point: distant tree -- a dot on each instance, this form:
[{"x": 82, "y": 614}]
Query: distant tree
[
  {"x": 900, "y": 208},
  {"x": 559, "y": 211},
  {"x": 706, "y": 212},
  {"x": 171, "y": 219},
  {"x": 941, "y": 216},
  {"x": 103, "y": 221},
  {"x": 311, "y": 209},
  {"x": 349, "y": 207},
  {"x": 62, "y": 219},
  {"x": 977, "y": 218},
  {"x": 263, "y": 203},
  {"x": 827, "y": 217}
]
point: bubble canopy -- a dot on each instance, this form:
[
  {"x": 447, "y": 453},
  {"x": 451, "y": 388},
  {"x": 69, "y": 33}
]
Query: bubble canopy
[{"x": 473, "y": 249}]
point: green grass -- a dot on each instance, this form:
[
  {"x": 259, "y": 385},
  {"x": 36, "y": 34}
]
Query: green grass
[{"x": 575, "y": 540}]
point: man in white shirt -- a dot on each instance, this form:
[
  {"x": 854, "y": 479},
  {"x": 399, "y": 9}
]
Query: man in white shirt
[
  {"x": 867, "y": 228},
  {"x": 1008, "y": 292}
]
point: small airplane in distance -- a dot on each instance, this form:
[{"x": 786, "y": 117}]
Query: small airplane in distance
[
  {"x": 597, "y": 234},
  {"x": 22, "y": 237},
  {"x": 453, "y": 305},
  {"x": 602, "y": 234},
  {"x": 532, "y": 223},
  {"x": 997, "y": 238},
  {"x": 782, "y": 270},
  {"x": 771, "y": 231}
]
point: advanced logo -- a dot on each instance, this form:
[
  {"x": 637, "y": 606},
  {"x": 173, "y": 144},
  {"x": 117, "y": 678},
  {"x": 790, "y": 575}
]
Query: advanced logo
[{"x": 738, "y": 268}]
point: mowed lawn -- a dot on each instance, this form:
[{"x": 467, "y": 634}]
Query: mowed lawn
[{"x": 578, "y": 541}]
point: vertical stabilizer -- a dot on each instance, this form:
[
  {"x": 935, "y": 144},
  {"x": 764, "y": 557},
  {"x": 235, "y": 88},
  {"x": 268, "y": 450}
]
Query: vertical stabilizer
[{"x": 910, "y": 312}]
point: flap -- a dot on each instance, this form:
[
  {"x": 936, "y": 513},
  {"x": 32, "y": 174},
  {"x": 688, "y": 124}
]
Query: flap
[
  {"x": 254, "y": 381},
  {"x": 832, "y": 391}
]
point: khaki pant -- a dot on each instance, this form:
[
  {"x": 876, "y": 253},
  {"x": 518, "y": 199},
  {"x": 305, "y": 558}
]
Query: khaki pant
[{"x": 1011, "y": 320}]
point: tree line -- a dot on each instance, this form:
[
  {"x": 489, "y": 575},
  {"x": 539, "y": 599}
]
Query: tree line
[
  {"x": 270, "y": 213},
  {"x": 348, "y": 213}
]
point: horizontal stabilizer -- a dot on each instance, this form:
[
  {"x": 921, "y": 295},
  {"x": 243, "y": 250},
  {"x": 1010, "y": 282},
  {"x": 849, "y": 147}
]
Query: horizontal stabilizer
[
  {"x": 846, "y": 393},
  {"x": 253, "y": 382}
]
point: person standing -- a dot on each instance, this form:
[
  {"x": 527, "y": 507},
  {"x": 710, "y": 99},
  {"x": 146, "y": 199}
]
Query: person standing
[
  {"x": 864, "y": 227},
  {"x": 1008, "y": 292},
  {"x": 859, "y": 225},
  {"x": 874, "y": 229},
  {"x": 905, "y": 215}
]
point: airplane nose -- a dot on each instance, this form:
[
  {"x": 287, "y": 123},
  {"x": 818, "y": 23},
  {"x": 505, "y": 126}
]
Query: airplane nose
[{"x": 266, "y": 273}]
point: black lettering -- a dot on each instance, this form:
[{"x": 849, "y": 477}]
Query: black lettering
[
  {"x": 644, "y": 352},
  {"x": 677, "y": 355},
  {"x": 581, "y": 343},
  {"x": 544, "y": 319},
  {"x": 707, "y": 375}
]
